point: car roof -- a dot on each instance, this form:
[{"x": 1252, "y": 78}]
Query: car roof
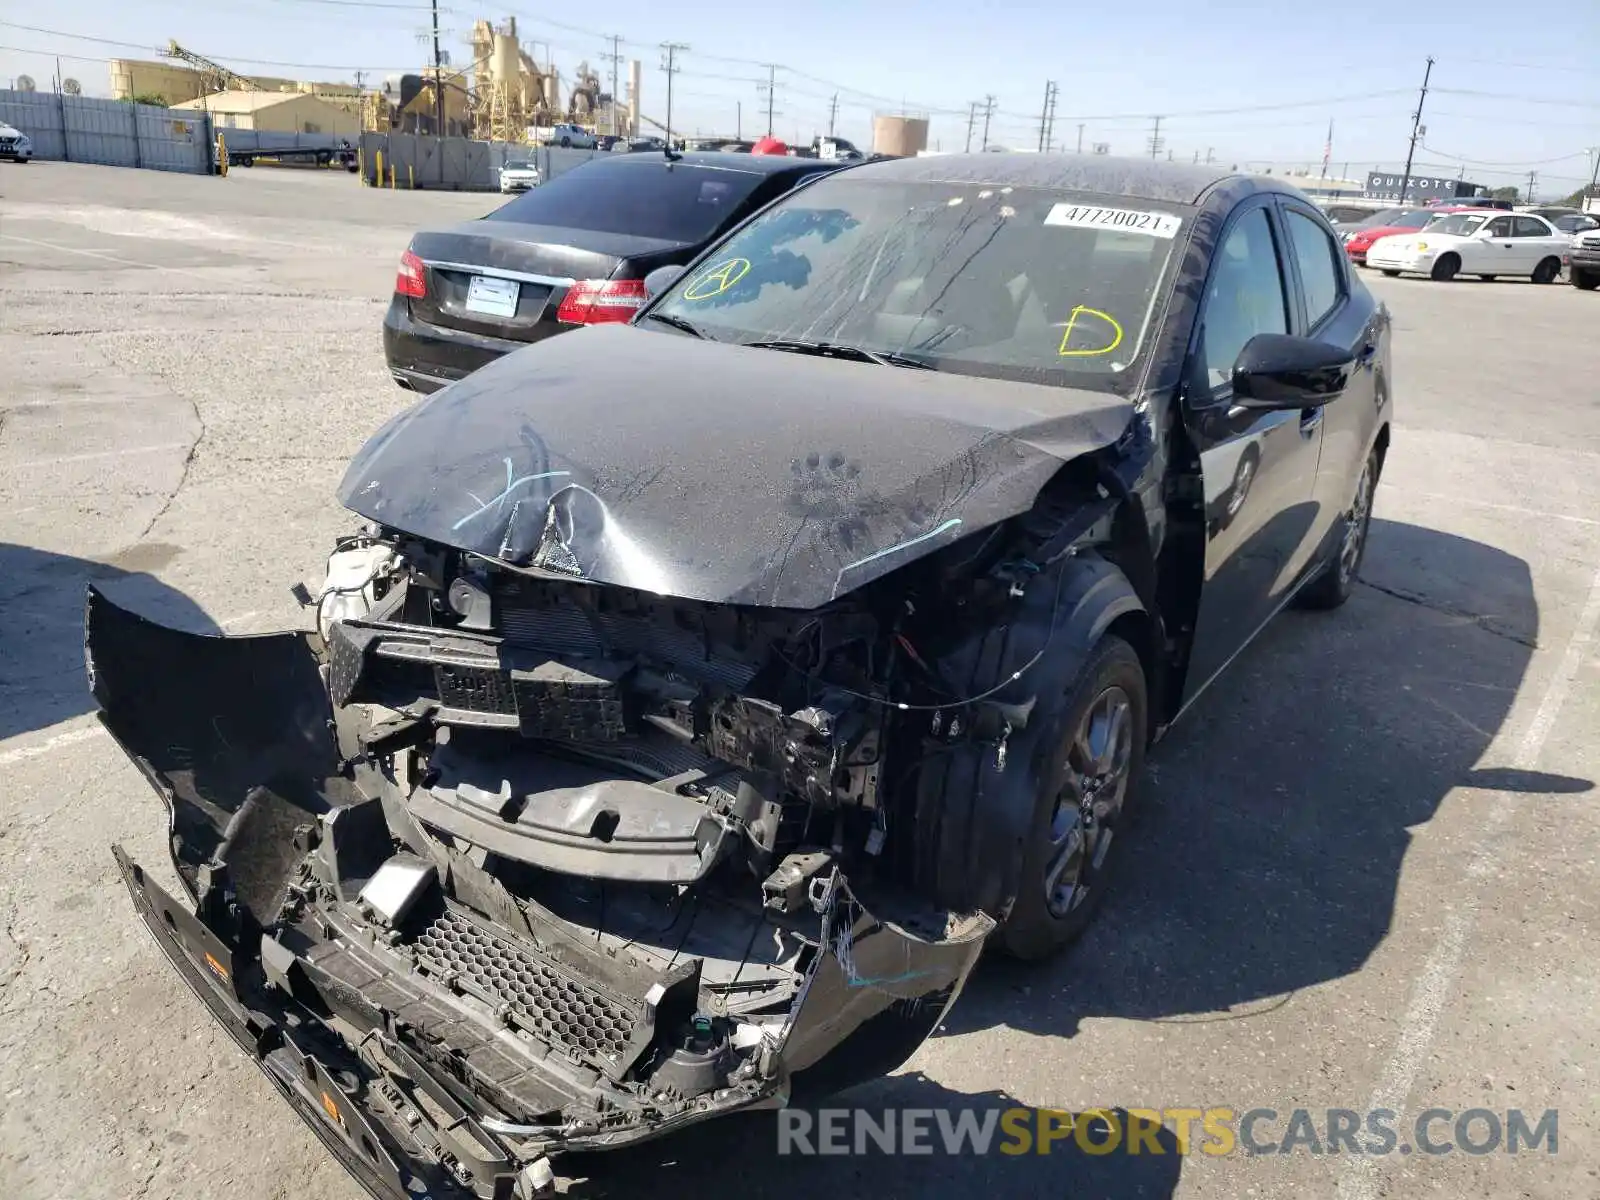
[
  {"x": 746, "y": 164},
  {"x": 1136, "y": 178}
]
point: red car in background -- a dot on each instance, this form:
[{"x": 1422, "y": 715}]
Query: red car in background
[{"x": 1391, "y": 220}]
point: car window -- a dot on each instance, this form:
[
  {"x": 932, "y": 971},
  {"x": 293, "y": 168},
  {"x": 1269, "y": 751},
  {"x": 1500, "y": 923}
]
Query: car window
[
  {"x": 675, "y": 203},
  {"x": 1012, "y": 282},
  {"x": 1415, "y": 219},
  {"x": 1499, "y": 227},
  {"x": 1528, "y": 227},
  {"x": 1459, "y": 224},
  {"x": 1318, "y": 257},
  {"x": 1245, "y": 296},
  {"x": 1381, "y": 218}
]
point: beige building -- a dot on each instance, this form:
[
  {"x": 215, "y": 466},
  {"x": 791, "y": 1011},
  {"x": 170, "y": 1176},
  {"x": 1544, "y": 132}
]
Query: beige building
[
  {"x": 280, "y": 112},
  {"x": 175, "y": 83}
]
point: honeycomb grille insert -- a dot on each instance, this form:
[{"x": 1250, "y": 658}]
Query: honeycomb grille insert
[{"x": 544, "y": 1000}]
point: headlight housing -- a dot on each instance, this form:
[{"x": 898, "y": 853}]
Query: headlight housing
[{"x": 1420, "y": 246}]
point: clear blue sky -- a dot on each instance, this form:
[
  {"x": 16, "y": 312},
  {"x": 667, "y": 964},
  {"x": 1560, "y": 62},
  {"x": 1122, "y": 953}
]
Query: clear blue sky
[{"x": 1513, "y": 90}]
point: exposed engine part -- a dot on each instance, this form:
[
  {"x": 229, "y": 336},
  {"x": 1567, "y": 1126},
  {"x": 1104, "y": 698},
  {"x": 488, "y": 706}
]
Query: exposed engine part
[{"x": 360, "y": 574}]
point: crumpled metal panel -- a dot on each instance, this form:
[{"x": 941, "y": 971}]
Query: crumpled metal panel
[{"x": 716, "y": 472}]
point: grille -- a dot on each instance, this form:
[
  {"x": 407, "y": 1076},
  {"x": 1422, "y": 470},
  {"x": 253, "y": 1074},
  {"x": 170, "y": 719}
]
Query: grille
[
  {"x": 547, "y": 1002},
  {"x": 1591, "y": 243}
]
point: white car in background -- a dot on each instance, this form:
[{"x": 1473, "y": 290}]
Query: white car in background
[
  {"x": 14, "y": 144},
  {"x": 518, "y": 175},
  {"x": 575, "y": 136},
  {"x": 1487, "y": 243}
]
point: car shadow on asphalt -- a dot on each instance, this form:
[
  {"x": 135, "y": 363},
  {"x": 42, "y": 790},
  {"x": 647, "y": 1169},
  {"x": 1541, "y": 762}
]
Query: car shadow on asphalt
[
  {"x": 739, "y": 1155},
  {"x": 42, "y": 681},
  {"x": 1276, "y": 817}
]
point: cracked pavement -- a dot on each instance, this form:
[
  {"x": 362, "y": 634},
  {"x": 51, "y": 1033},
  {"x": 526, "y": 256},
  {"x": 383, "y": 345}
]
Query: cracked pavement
[{"x": 1364, "y": 872}]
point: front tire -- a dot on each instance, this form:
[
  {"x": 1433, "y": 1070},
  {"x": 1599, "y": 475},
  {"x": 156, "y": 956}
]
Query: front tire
[
  {"x": 1338, "y": 578},
  {"x": 1079, "y": 817},
  {"x": 1487, "y": 278},
  {"x": 1445, "y": 269},
  {"x": 1392, "y": 274},
  {"x": 1585, "y": 281},
  {"x": 1547, "y": 270}
]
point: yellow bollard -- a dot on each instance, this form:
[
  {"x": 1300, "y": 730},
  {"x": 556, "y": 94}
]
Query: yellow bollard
[
  {"x": 411, "y": 179},
  {"x": 361, "y": 164},
  {"x": 377, "y": 170},
  {"x": 391, "y": 175},
  {"x": 222, "y": 156}
]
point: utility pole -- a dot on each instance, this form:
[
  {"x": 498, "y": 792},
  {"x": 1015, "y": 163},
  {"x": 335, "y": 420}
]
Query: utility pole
[
  {"x": 1533, "y": 178},
  {"x": 1594, "y": 175},
  {"x": 438, "y": 83},
  {"x": 1156, "y": 144},
  {"x": 1047, "y": 116},
  {"x": 738, "y": 120},
  {"x": 1416, "y": 131},
  {"x": 833, "y": 112},
  {"x": 988, "y": 111},
  {"x": 1080, "y": 139},
  {"x": 616, "y": 58},
  {"x": 770, "y": 87},
  {"x": 670, "y": 66},
  {"x": 972, "y": 118}
]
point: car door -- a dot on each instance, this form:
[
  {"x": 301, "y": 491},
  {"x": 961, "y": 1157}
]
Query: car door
[
  {"x": 1339, "y": 310},
  {"x": 1494, "y": 251},
  {"x": 1258, "y": 469},
  {"x": 1536, "y": 241}
]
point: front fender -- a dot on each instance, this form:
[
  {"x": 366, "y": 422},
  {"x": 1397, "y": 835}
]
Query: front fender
[{"x": 975, "y": 805}]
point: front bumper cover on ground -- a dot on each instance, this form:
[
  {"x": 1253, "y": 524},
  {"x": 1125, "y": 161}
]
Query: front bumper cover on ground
[{"x": 237, "y": 731}]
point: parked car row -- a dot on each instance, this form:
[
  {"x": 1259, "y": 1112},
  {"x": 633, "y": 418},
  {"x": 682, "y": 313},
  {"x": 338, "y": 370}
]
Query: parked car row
[{"x": 1444, "y": 241}]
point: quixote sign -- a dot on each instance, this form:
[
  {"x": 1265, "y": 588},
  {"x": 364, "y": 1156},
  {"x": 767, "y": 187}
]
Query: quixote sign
[{"x": 1382, "y": 186}]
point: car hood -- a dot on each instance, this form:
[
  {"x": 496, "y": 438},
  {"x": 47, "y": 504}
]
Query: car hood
[{"x": 657, "y": 461}]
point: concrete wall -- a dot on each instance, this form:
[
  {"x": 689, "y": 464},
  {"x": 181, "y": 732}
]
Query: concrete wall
[
  {"x": 111, "y": 132},
  {"x": 454, "y": 164}
]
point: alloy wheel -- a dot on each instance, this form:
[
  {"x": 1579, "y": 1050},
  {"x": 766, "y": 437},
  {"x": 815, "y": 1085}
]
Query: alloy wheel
[
  {"x": 1355, "y": 526},
  {"x": 1099, "y": 759}
]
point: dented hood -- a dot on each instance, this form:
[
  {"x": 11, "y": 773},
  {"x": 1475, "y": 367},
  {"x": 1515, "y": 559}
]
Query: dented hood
[{"x": 713, "y": 472}]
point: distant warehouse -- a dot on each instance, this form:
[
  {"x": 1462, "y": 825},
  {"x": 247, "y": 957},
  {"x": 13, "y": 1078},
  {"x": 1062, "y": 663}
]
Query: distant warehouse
[{"x": 279, "y": 112}]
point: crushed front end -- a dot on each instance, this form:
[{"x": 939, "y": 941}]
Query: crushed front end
[{"x": 495, "y": 866}]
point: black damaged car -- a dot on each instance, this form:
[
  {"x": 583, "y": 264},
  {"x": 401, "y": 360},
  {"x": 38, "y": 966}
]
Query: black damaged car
[{"x": 699, "y": 696}]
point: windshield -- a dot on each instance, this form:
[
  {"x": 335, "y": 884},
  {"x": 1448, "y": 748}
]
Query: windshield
[
  {"x": 1007, "y": 282},
  {"x": 517, "y": 164},
  {"x": 1379, "y": 219},
  {"x": 1462, "y": 224}
]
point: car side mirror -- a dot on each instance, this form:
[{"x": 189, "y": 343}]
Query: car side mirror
[
  {"x": 661, "y": 279},
  {"x": 1278, "y": 370}
]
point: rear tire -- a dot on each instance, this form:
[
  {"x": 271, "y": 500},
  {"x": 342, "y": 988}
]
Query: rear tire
[
  {"x": 1342, "y": 566},
  {"x": 1445, "y": 269},
  {"x": 1547, "y": 270},
  {"x": 1392, "y": 274},
  {"x": 1080, "y": 815},
  {"x": 1487, "y": 278},
  {"x": 1585, "y": 281}
]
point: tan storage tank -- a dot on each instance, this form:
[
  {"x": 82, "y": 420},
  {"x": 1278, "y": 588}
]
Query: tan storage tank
[{"x": 899, "y": 135}]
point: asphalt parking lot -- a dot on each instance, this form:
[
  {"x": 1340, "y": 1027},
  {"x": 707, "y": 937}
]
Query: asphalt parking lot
[{"x": 1365, "y": 877}]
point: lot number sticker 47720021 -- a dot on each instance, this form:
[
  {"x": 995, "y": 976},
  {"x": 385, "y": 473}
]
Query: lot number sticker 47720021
[{"x": 1120, "y": 220}]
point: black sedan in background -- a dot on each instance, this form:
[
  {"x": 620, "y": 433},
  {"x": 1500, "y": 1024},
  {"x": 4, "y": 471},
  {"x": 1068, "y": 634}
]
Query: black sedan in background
[{"x": 571, "y": 252}]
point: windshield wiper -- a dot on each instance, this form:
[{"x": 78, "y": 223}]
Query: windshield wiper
[
  {"x": 677, "y": 323},
  {"x": 840, "y": 350}
]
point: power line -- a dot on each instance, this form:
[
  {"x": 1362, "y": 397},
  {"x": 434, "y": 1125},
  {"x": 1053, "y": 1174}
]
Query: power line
[
  {"x": 770, "y": 88},
  {"x": 1047, "y": 115},
  {"x": 1155, "y": 141},
  {"x": 1416, "y": 130},
  {"x": 669, "y": 65},
  {"x": 1518, "y": 99}
]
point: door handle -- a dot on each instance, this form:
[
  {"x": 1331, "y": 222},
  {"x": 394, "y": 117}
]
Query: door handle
[{"x": 1310, "y": 419}]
